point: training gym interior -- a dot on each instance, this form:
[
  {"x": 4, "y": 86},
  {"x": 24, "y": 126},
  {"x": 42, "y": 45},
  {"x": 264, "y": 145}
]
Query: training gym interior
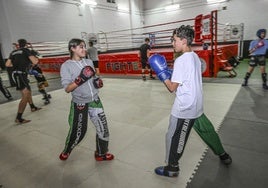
[{"x": 137, "y": 111}]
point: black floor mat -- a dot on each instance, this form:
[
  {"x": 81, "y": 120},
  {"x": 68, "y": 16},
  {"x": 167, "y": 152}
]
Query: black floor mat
[{"x": 244, "y": 136}]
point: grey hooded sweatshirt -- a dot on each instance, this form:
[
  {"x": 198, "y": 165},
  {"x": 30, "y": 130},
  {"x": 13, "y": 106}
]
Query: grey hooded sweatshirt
[{"x": 69, "y": 71}]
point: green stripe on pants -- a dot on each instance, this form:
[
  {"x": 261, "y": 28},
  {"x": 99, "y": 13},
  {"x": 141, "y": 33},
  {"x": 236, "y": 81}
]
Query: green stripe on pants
[{"x": 206, "y": 131}]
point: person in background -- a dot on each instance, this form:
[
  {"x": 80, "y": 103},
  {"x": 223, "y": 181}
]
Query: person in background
[
  {"x": 42, "y": 82},
  {"x": 5, "y": 91},
  {"x": 92, "y": 52},
  {"x": 21, "y": 59},
  {"x": 257, "y": 52},
  {"x": 144, "y": 53}
]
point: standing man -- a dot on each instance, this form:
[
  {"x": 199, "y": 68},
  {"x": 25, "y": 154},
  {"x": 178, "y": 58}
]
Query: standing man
[
  {"x": 144, "y": 54},
  {"x": 257, "y": 51},
  {"x": 92, "y": 52},
  {"x": 21, "y": 59}
]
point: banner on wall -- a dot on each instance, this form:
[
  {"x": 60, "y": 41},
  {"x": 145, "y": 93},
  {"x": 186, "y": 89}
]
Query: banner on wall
[
  {"x": 206, "y": 31},
  {"x": 152, "y": 39}
]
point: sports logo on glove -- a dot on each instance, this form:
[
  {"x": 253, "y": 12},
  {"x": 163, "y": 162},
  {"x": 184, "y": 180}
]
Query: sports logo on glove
[
  {"x": 98, "y": 83},
  {"x": 87, "y": 71}
]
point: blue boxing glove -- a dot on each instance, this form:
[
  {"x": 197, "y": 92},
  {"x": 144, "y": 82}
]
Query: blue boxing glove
[
  {"x": 159, "y": 64},
  {"x": 34, "y": 73},
  {"x": 165, "y": 75}
]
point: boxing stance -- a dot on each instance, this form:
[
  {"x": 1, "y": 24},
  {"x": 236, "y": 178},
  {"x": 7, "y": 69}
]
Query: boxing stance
[
  {"x": 21, "y": 59},
  {"x": 257, "y": 51},
  {"x": 78, "y": 77},
  {"x": 42, "y": 83},
  {"x": 187, "y": 110}
]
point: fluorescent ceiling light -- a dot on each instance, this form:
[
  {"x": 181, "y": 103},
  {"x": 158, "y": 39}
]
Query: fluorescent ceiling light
[
  {"x": 89, "y": 2},
  {"x": 215, "y": 1},
  {"x": 172, "y": 7}
]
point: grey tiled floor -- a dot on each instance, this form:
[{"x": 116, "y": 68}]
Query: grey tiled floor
[
  {"x": 137, "y": 113},
  {"x": 244, "y": 134}
]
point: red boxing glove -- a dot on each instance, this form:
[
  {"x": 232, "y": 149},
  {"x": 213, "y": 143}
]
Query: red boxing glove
[
  {"x": 86, "y": 73},
  {"x": 98, "y": 83},
  {"x": 260, "y": 44}
]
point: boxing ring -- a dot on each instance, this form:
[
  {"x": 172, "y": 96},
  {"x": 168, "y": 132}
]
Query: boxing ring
[{"x": 118, "y": 50}]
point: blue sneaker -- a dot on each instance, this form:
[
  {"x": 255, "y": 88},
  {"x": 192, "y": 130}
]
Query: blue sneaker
[{"x": 168, "y": 171}]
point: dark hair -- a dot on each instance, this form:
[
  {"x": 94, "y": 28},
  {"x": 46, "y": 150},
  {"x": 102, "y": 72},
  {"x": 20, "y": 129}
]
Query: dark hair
[
  {"x": 147, "y": 40},
  {"x": 90, "y": 43},
  {"x": 260, "y": 31},
  {"x": 74, "y": 43},
  {"x": 205, "y": 46},
  {"x": 185, "y": 32},
  {"x": 22, "y": 43}
]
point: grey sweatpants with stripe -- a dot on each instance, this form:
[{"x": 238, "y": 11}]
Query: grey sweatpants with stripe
[{"x": 176, "y": 138}]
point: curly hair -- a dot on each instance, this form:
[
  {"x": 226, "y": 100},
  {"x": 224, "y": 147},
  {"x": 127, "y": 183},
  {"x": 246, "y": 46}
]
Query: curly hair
[{"x": 185, "y": 32}]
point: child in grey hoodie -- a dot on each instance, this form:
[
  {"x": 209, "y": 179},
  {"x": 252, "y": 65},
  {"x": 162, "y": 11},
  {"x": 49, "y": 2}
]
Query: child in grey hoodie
[{"x": 78, "y": 77}]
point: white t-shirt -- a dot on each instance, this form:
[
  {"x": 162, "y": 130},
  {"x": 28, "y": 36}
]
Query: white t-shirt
[{"x": 188, "y": 103}]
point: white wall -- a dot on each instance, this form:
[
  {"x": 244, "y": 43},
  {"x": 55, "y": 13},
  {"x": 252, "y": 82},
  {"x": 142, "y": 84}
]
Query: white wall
[
  {"x": 253, "y": 14},
  {"x": 44, "y": 20},
  {"x": 48, "y": 21},
  {"x": 5, "y": 35}
]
